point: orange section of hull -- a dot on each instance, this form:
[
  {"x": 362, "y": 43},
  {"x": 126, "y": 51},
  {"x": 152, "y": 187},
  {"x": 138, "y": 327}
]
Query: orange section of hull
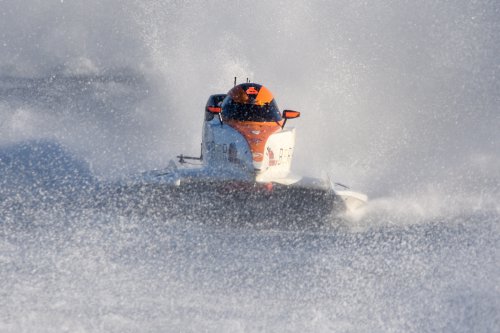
[{"x": 256, "y": 134}]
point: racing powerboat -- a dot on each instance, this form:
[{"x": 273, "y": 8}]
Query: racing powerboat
[{"x": 245, "y": 164}]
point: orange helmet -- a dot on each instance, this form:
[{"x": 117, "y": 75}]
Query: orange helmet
[{"x": 250, "y": 102}]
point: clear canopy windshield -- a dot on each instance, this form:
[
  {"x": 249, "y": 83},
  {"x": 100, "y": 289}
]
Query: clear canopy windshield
[{"x": 250, "y": 112}]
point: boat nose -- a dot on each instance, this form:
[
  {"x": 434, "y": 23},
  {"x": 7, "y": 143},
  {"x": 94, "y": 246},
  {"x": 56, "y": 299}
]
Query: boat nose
[
  {"x": 256, "y": 134},
  {"x": 258, "y": 165}
]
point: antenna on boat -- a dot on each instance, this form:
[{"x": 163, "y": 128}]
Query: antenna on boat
[{"x": 235, "y": 81}]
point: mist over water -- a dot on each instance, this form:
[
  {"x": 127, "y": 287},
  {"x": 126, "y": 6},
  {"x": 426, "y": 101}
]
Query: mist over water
[
  {"x": 392, "y": 94},
  {"x": 400, "y": 100}
]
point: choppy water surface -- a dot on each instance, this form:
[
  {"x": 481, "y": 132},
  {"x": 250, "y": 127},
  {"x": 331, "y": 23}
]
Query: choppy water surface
[
  {"x": 99, "y": 272},
  {"x": 400, "y": 101}
]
